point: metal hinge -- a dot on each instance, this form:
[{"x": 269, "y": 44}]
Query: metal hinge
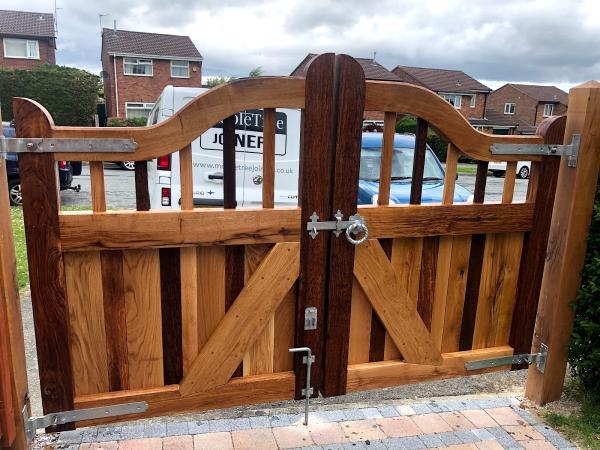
[
  {"x": 51, "y": 145},
  {"x": 571, "y": 150},
  {"x": 32, "y": 424},
  {"x": 539, "y": 359}
]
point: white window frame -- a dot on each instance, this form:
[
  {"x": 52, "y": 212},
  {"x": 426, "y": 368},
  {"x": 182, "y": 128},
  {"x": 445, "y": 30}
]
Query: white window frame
[
  {"x": 28, "y": 47},
  {"x": 457, "y": 99},
  {"x": 508, "y": 107},
  {"x": 137, "y": 62},
  {"x": 473, "y": 102},
  {"x": 143, "y": 106},
  {"x": 180, "y": 64},
  {"x": 549, "y": 106}
]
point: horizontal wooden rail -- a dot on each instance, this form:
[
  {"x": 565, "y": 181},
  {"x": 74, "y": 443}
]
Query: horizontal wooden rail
[{"x": 142, "y": 229}]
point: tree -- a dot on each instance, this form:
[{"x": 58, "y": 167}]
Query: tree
[
  {"x": 256, "y": 72},
  {"x": 215, "y": 81}
]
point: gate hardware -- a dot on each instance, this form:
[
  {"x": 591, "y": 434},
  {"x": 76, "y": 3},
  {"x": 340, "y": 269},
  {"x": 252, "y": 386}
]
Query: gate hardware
[
  {"x": 310, "y": 318},
  {"x": 354, "y": 225},
  {"x": 32, "y": 424},
  {"x": 309, "y": 359},
  {"x": 539, "y": 359},
  {"x": 64, "y": 145},
  {"x": 571, "y": 150}
]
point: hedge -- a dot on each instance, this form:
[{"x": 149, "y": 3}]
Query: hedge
[
  {"x": 134, "y": 122},
  {"x": 408, "y": 124},
  {"x": 69, "y": 94}
]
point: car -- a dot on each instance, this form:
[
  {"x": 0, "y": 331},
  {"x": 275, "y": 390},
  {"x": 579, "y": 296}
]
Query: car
[
  {"x": 402, "y": 166},
  {"x": 498, "y": 169},
  {"x": 66, "y": 171}
]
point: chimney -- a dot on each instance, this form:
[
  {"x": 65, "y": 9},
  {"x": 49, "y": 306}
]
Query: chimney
[{"x": 115, "y": 26}]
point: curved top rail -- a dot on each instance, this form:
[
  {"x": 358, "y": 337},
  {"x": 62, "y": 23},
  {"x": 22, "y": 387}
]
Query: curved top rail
[
  {"x": 177, "y": 131},
  {"x": 390, "y": 96}
]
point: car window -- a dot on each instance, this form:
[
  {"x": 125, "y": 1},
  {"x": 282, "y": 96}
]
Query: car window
[{"x": 402, "y": 164}]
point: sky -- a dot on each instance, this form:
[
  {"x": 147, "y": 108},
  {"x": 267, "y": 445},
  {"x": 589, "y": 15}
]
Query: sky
[{"x": 495, "y": 41}]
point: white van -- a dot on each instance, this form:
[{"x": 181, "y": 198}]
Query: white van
[{"x": 207, "y": 157}]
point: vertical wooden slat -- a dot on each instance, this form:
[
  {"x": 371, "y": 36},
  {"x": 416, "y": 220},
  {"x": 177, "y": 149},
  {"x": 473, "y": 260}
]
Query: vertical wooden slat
[
  {"x": 378, "y": 331},
  {"x": 83, "y": 273},
  {"x": 268, "y": 185},
  {"x": 316, "y": 156},
  {"x": 211, "y": 290},
  {"x": 360, "y": 326},
  {"x": 416, "y": 188},
  {"x": 427, "y": 279},
  {"x": 97, "y": 182},
  {"x": 189, "y": 305},
  {"x": 350, "y": 103},
  {"x": 186, "y": 178},
  {"x": 387, "y": 152},
  {"x": 284, "y": 332},
  {"x": 115, "y": 319},
  {"x": 142, "y": 196},
  {"x": 509, "y": 182},
  {"x": 450, "y": 178},
  {"x": 170, "y": 299}
]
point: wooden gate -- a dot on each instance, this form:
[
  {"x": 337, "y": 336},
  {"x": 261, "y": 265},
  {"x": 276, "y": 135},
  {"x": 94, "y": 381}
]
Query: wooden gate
[{"x": 196, "y": 309}]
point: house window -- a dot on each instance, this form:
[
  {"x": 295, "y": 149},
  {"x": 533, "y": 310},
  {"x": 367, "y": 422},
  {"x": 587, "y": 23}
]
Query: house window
[
  {"x": 21, "y": 48},
  {"x": 548, "y": 109},
  {"x": 509, "y": 108},
  {"x": 454, "y": 100},
  {"x": 473, "y": 100},
  {"x": 135, "y": 110},
  {"x": 180, "y": 69},
  {"x": 136, "y": 66}
]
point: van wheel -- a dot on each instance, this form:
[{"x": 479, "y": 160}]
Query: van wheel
[
  {"x": 524, "y": 172},
  {"x": 14, "y": 192},
  {"x": 127, "y": 165},
  {"x": 498, "y": 173}
]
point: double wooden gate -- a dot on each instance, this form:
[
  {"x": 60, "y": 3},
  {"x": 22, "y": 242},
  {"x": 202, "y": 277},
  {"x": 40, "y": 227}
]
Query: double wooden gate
[{"x": 195, "y": 309}]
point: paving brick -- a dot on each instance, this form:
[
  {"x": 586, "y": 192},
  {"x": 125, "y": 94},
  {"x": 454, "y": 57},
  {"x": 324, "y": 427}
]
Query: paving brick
[
  {"x": 177, "y": 428},
  {"x": 70, "y": 437},
  {"x": 469, "y": 404},
  {"x": 421, "y": 408},
  {"x": 260, "y": 422},
  {"x": 505, "y": 439},
  {"x": 155, "y": 429},
  {"x": 141, "y": 444},
  {"x": 106, "y": 434},
  {"x": 326, "y": 433},
  {"x": 457, "y": 421},
  {"x": 431, "y": 423},
  {"x": 526, "y": 416},
  {"x": 292, "y": 436},
  {"x": 431, "y": 440},
  {"x": 449, "y": 438},
  {"x": 556, "y": 439},
  {"x": 354, "y": 414},
  {"x": 334, "y": 415},
  {"x": 483, "y": 434},
  {"x": 505, "y": 416},
  {"x": 241, "y": 423},
  {"x": 67, "y": 447},
  {"x": 388, "y": 411},
  {"x": 285, "y": 420},
  {"x": 479, "y": 418},
  {"x": 523, "y": 432},
  {"x": 405, "y": 410},
  {"x": 437, "y": 407},
  {"x": 220, "y": 425},
  {"x": 463, "y": 447},
  {"x": 492, "y": 402},
  {"x": 466, "y": 436},
  {"x": 185, "y": 442},
  {"x": 373, "y": 445},
  {"x": 211, "y": 441},
  {"x": 371, "y": 413},
  {"x": 453, "y": 405},
  {"x": 199, "y": 426},
  {"x": 398, "y": 426},
  {"x": 89, "y": 434},
  {"x": 362, "y": 430},
  {"x": 404, "y": 443},
  {"x": 537, "y": 445},
  {"x": 132, "y": 431},
  {"x": 112, "y": 445},
  {"x": 489, "y": 445}
]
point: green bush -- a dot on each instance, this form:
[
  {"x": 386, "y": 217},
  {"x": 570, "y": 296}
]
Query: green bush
[
  {"x": 69, "y": 94},
  {"x": 133, "y": 122},
  {"x": 408, "y": 125},
  {"x": 584, "y": 350}
]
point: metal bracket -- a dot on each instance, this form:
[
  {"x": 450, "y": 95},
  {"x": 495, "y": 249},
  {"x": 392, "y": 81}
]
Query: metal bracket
[
  {"x": 337, "y": 226},
  {"x": 50, "y": 145},
  {"x": 539, "y": 359},
  {"x": 310, "y": 318},
  {"x": 571, "y": 151},
  {"x": 309, "y": 360},
  {"x": 32, "y": 424}
]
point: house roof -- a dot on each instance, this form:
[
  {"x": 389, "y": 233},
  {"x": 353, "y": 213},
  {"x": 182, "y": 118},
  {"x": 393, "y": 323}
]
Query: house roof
[
  {"x": 30, "y": 24},
  {"x": 494, "y": 118},
  {"x": 373, "y": 70},
  {"x": 148, "y": 44},
  {"x": 548, "y": 94},
  {"x": 440, "y": 80}
]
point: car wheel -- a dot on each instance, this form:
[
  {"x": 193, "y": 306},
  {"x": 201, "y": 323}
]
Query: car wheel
[
  {"x": 498, "y": 173},
  {"x": 127, "y": 165},
  {"x": 524, "y": 172},
  {"x": 14, "y": 192}
]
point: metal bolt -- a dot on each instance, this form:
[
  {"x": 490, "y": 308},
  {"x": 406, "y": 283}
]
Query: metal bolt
[{"x": 30, "y": 146}]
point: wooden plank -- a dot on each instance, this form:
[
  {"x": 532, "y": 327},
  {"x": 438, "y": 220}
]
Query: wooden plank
[
  {"x": 392, "y": 304},
  {"x": 285, "y": 321},
  {"x": 171, "y": 312},
  {"x": 83, "y": 273},
  {"x": 497, "y": 289},
  {"x": 573, "y": 208},
  {"x": 349, "y": 106},
  {"x": 360, "y": 326},
  {"x": 211, "y": 298},
  {"x": 416, "y": 187},
  {"x": 259, "y": 358},
  {"x": 189, "y": 305},
  {"x": 115, "y": 319},
  {"x": 393, "y": 373},
  {"x": 440, "y": 294},
  {"x": 248, "y": 316},
  {"x": 142, "y": 196},
  {"x": 141, "y": 275},
  {"x": 186, "y": 178},
  {"x": 387, "y": 152},
  {"x": 97, "y": 182},
  {"x": 268, "y": 172},
  {"x": 509, "y": 182},
  {"x": 427, "y": 279},
  {"x": 450, "y": 176},
  {"x": 131, "y": 229},
  {"x": 316, "y": 162}
]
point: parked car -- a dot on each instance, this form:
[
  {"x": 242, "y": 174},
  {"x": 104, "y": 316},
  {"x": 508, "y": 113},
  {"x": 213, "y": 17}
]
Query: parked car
[
  {"x": 66, "y": 171},
  {"x": 498, "y": 169}
]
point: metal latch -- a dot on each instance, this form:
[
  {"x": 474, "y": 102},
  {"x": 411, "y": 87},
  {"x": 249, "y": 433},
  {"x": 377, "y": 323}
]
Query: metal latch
[
  {"x": 66, "y": 145},
  {"x": 307, "y": 392},
  {"x": 32, "y": 424},
  {"x": 310, "y": 318},
  {"x": 539, "y": 359},
  {"x": 571, "y": 150},
  {"x": 353, "y": 226}
]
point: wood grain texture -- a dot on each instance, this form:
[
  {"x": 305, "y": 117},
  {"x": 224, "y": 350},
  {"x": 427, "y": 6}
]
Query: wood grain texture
[
  {"x": 142, "y": 196},
  {"x": 186, "y": 178},
  {"x": 170, "y": 307},
  {"x": 285, "y": 329},
  {"x": 360, "y": 326},
  {"x": 189, "y": 305},
  {"x": 427, "y": 279},
  {"x": 392, "y": 304},
  {"x": 115, "y": 319},
  {"x": 349, "y": 105},
  {"x": 131, "y": 229},
  {"x": 387, "y": 152},
  {"x": 268, "y": 185},
  {"x": 211, "y": 291},
  {"x": 508, "y": 189},
  {"x": 97, "y": 185},
  {"x": 416, "y": 186},
  {"x": 450, "y": 176},
  {"x": 245, "y": 320},
  {"x": 141, "y": 275}
]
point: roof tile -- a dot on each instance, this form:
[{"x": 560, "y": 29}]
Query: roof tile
[
  {"x": 373, "y": 70},
  {"x": 548, "y": 94},
  {"x": 441, "y": 80},
  {"x": 22, "y": 23},
  {"x": 151, "y": 44}
]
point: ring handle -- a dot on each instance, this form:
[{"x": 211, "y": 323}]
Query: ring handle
[{"x": 356, "y": 228}]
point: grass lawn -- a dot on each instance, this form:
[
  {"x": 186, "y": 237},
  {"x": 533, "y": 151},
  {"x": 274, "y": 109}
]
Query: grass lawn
[
  {"x": 465, "y": 169},
  {"x": 20, "y": 248}
]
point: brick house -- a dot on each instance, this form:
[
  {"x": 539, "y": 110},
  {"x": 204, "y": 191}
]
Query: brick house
[
  {"x": 523, "y": 106},
  {"x": 462, "y": 91},
  {"x": 137, "y": 66},
  {"x": 28, "y": 39},
  {"x": 373, "y": 120}
]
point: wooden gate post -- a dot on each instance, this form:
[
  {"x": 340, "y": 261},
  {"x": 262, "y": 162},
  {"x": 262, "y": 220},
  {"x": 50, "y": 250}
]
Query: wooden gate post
[{"x": 567, "y": 243}]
